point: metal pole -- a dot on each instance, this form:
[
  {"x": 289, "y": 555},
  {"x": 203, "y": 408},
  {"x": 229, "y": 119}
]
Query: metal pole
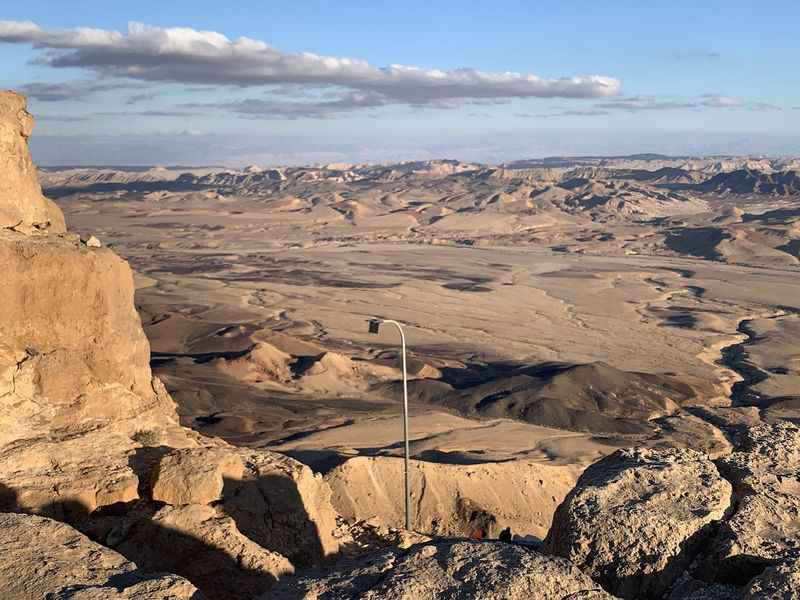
[{"x": 405, "y": 425}]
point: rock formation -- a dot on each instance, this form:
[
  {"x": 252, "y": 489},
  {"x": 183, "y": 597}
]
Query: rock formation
[
  {"x": 459, "y": 570},
  {"x": 765, "y": 528},
  {"x": 142, "y": 508},
  {"x": 89, "y": 437},
  {"x": 453, "y": 499},
  {"x": 635, "y": 518},
  {"x": 643, "y": 522},
  {"x": 41, "y": 558},
  {"x": 22, "y": 208}
]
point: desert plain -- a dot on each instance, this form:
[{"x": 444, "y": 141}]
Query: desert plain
[{"x": 555, "y": 310}]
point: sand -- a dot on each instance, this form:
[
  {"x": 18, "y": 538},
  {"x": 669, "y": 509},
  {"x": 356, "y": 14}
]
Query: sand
[{"x": 547, "y": 323}]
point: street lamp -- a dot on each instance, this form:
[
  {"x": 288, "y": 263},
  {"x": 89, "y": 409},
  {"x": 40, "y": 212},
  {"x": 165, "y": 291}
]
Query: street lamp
[{"x": 374, "y": 327}]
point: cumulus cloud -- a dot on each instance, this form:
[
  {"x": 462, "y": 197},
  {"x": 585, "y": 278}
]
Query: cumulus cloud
[
  {"x": 759, "y": 106},
  {"x": 641, "y": 103},
  {"x": 189, "y": 56},
  {"x": 718, "y": 101},
  {"x": 53, "y": 92}
]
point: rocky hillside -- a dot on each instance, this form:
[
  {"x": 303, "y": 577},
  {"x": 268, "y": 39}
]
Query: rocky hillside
[
  {"x": 751, "y": 181},
  {"x": 104, "y": 495},
  {"x": 90, "y": 438}
]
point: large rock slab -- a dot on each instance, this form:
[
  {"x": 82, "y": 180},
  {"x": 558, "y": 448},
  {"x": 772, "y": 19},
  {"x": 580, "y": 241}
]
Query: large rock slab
[
  {"x": 284, "y": 506},
  {"x": 202, "y": 545},
  {"x": 765, "y": 527},
  {"x": 22, "y": 206},
  {"x": 447, "y": 569},
  {"x": 195, "y": 475},
  {"x": 636, "y": 518},
  {"x": 453, "y": 499},
  {"x": 70, "y": 309},
  {"x": 41, "y": 558}
]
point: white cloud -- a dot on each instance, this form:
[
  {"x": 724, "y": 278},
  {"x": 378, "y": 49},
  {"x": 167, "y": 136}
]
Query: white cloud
[{"x": 205, "y": 57}]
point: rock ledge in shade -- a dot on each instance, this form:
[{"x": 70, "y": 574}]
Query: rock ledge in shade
[{"x": 42, "y": 558}]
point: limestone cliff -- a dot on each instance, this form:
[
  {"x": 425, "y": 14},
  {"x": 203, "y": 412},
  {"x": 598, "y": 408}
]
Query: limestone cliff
[
  {"x": 89, "y": 437},
  {"x": 22, "y": 207}
]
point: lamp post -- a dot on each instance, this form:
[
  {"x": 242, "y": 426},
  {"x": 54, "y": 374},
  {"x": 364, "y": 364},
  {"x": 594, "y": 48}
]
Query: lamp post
[{"x": 374, "y": 327}]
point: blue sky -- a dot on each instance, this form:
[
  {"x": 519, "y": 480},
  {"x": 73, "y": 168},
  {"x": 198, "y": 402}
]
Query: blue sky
[{"x": 610, "y": 78}]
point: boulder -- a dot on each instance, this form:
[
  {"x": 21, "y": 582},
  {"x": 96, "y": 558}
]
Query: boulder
[
  {"x": 70, "y": 310},
  {"x": 451, "y": 499},
  {"x": 450, "y": 569},
  {"x": 284, "y": 506},
  {"x": 636, "y": 518},
  {"x": 203, "y": 546},
  {"x": 42, "y": 558},
  {"x": 195, "y": 475},
  {"x": 765, "y": 527},
  {"x": 22, "y": 206}
]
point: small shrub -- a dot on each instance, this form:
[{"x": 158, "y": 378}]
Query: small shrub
[{"x": 145, "y": 437}]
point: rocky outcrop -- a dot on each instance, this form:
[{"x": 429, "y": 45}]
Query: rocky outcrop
[
  {"x": 88, "y": 436},
  {"x": 194, "y": 476},
  {"x": 42, "y": 558},
  {"x": 233, "y": 519},
  {"x": 196, "y": 541},
  {"x": 284, "y": 506},
  {"x": 22, "y": 206},
  {"x": 780, "y": 582},
  {"x": 765, "y": 527},
  {"x": 453, "y": 499},
  {"x": 448, "y": 569},
  {"x": 636, "y": 518}
]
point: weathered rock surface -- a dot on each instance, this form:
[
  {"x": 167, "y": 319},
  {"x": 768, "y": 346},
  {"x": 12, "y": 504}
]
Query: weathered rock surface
[
  {"x": 22, "y": 206},
  {"x": 90, "y": 437},
  {"x": 195, "y": 476},
  {"x": 453, "y": 499},
  {"x": 42, "y": 558},
  {"x": 780, "y": 582},
  {"x": 202, "y": 545},
  {"x": 635, "y": 519},
  {"x": 281, "y": 504},
  {"x": 447, "y": 569},
  {"x": 263, "y": 515},
  {"x": 765, "y": 527}
]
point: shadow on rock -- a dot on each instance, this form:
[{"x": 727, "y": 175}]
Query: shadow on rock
[{"x": 270, "y": 511}]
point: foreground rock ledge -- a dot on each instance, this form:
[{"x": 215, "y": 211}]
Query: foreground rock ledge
[
  {"x": 41, "y": 558},
  {"x": 765, "y": 528},
  {"x": 455, "y": 570},
  {"x": 636, "y": 518},
  {"x": 89, "y": 437}
]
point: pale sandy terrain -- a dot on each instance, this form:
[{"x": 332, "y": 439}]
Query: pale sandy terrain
[{"x": 548, "y": 323}]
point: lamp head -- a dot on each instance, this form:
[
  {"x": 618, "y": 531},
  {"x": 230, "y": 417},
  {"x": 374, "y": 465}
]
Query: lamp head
[{"x": 374, "y": 325}]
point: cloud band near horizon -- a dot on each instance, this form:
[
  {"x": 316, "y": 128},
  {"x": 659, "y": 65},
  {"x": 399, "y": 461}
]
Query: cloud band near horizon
[{"x": 189, "y": 56}]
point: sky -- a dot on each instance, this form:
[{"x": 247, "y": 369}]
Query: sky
[{"x": 314, "y": 82}]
